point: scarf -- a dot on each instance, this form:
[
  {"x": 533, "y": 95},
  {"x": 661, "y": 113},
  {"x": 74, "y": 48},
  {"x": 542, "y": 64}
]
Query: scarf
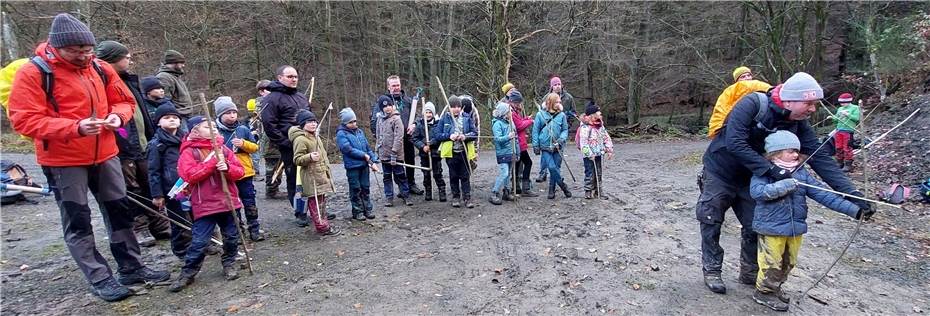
[{"x": 785, "y": 164}]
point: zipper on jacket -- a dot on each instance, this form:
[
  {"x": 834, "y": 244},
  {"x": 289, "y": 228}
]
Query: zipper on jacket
[{"x": 93, "y": 109}]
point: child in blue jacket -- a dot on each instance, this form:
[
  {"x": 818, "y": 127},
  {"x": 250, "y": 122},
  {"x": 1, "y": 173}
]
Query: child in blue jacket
[
  {"x": 550, "y": 132},
  {"x": 504, "y": 148},
  {"x": 357, "y": 158},
  {"x": 780, "y": 216}
]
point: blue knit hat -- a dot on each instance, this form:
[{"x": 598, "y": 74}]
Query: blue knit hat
[
  {"x": 67, "y": 31},
  {"x": 194, "y": 121},
  {"x": 166, "y": 108},
  {"x": 384, "y": 101},
  {"x": 780, "y": 140}
]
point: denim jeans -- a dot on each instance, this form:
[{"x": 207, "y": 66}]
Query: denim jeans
[
  {"x": 503, "y": 177},
  {"x": 359, "y": 189},
  {"x": 397, "y": 174},
  {"x": 553, "y": 162}
]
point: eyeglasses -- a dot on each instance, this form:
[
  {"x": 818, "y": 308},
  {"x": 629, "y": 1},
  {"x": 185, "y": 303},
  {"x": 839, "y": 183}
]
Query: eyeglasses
[{"x": 291, "y": 76}]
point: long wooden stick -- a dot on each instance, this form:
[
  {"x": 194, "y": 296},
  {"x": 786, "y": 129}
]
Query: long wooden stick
[
  {"x": 848, "y": 195},
  {"x": 429, "y": 155},
  {"x": 163, "y": 216},
  {"x": 319, "y": 142},
  {"x": 222, "y": 158}
]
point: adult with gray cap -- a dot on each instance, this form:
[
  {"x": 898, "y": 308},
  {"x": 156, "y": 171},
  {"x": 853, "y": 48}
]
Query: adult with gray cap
[
  {"x": 74, "y": 127},
  {"x": 169, "y": 74},
  {"x": 132, "y": 142},
  {"x": 736, "y": 154}
]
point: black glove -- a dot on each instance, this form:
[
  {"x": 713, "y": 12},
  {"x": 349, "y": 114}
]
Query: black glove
[
  {"x": 866, "y": 208},
  {"x": 557, "y": 147},
  {"x": 537, "y": 151},
  {"x": 778, "y": 173}
]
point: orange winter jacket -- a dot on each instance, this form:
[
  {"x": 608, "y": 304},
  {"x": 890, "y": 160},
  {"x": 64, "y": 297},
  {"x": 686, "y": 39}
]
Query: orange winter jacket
[
  {"x": 727, "y": 100},
  {"x": 77, "y": 90}
]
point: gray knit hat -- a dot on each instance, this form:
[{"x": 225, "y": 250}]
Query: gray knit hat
[
  {"x": 429, "y": 106},
  {"x": 172, "y": 57},
  {"x": 801, "y": 87},
  {"x": 223, "y": 104},
  {"x": 455, "y": 101},
  {"x": 781, "y": 140},
  {"x": 111, "y": 51},
  {"x": 346, "y": 115},
  {"x": 69, "y": 31},
  {"x": 501, "y": 109}
]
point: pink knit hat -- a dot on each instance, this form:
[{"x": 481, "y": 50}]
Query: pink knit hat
[{"x": 554, "y": 81}]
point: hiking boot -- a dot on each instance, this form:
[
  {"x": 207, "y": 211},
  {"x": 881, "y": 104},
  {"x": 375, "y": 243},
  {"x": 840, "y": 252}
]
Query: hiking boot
[
  {"x": 406, "y": 201},
  {"x": 551, "y": 192},
  {"x": 527, "y": 192},
  {"x": 442, "y": 194},
  {"x": 331, "y": 216},
  {"x": 507, "y": 195},
  {"x": 332, "y": 232},
  {"x": 415, "y": 190},
  {"x": 302, "y": 220},
  {"x": 109, "y": 290},
  {"x": 389, "y": 202},
  {"x": 456, "y": 202},
  {"x": 369, "y": 215},
  {"x": 770, "y": 300},
  {"x": 143, "y": 275},
  {"x": 565, "y": 190},
  {"x": 230, "y": 273},
  {"x": 782, "y": 296},
  {"x": 468, "y": 203},
  {"x": 428, "y": 195},
  {"x": 359, "y": 217},
  {"x": 542, "y": 178},
  {"x": 495, "y": 198},
  {"x": 182, "y": 282},
  {"x": 588, "y": 195},
  {"x": 715, "y": 283},
  {"x": 256, "y": 235},
  {"x": 146, "y": 239}
]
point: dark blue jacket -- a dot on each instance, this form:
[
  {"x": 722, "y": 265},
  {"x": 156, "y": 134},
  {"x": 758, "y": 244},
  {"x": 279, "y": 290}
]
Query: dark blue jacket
[
  {"x": 354, "y": 147},
  {"x": 130, "y": 147},
  {"x": 447, "y": 127},
  {"x": 163, "y": 152},
  {"x": 736, "y": 154},
  {"x": 781, "y": 211},
  {"x": 419, "y": 137},
  {"x": 279, "y": 111}
]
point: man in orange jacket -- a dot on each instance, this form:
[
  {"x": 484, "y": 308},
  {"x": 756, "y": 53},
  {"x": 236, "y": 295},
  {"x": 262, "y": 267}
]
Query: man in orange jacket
[{"x": 73, "y": 130}]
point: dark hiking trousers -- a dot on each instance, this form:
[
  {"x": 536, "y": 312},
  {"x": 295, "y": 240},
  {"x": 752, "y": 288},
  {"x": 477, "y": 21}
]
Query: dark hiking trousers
[
  {"x": 524, "y": 168},
  {"x": 715, "y": 199},
  {"x": 359, "y": 189},
  {"x": 458, "y": 176},
  {"x": 180, "y": 237},
  {"x": 410, "y": 154},
  {"x": 290, "y": 171},
  {"x": 271, "y": 187},
  {"x": 202, "y": 232},
  {"x": 135, "y": 173},
  {"x": 436, "y": 171},
  {"x": 70, "y": 186}
]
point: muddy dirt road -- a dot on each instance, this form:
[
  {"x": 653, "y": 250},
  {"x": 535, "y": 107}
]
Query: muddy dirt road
[{"x": 638, "y": 253}]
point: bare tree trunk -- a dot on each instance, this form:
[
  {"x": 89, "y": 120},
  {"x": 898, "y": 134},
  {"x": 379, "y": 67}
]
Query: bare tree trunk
[{"x": 11, "y": 50}]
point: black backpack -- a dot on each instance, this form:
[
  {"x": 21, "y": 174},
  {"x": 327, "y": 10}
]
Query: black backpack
[{"x": 13, "y": 173}]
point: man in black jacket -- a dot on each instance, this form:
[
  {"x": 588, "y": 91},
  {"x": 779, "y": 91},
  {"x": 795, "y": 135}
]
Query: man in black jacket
[
  {"x": 278, "y": 114},
  {"x": 736, "y": 154},
  {"x": 402, "y": 105},
  {"x": 132, "y": 141}
]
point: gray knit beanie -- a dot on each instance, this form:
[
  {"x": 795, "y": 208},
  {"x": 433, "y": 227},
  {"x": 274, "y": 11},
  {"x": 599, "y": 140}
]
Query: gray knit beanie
[
  {"x": 69, "y": 31},
  {"x": 501, "y": 110},
  {"x": 801, "y": 87},
  {"x": 223, "y": 104},
  {"x": 346, "y": 115},
  {"x": 111, "y": 51},
  {"x": 781, "y": 140},
  {"x": 429, "y": 106}
]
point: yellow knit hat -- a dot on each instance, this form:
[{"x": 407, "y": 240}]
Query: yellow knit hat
[
  {"x": 250, "y": 105},
  {"x": 739, "y": 71},
  {"x": 506, "y": 87}
]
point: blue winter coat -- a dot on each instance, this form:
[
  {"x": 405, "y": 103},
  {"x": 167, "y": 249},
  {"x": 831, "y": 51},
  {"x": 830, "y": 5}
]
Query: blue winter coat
[
  {"x": 543, "y": 133},
  {"x": 503, "y": 144},
  {"x": 240, "y": 131},
  {"x": 419, "y": 137},
  {"x": 447, "y": 127},
  {"x": 736, "y": 154},
  {"x": 354, "y": 146},
  {"x": 163, "y": 152},
  {"x": 781, "y": 207}
]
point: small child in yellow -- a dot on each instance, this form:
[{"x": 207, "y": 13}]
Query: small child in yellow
[
  {"x": 780, "y": 216},
  {"x": 310, "y": 157}
]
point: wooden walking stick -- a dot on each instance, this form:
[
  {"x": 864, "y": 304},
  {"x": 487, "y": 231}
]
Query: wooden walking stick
[
  {"x": 156, "y": 213},
  {"x": 514, "y": 150},
  {"x": 222, "y": 158},
  {"x": 444, "y": 97},
  {"x": 319, "y": 142},
  {"x": 429, "y": 155}
]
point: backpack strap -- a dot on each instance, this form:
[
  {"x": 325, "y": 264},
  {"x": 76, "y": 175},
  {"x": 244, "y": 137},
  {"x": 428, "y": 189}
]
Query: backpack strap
[
  {"x": 101, "y": 73},
  {"x": 48, "y": 80},
  {"x": 763, "y": 112}
]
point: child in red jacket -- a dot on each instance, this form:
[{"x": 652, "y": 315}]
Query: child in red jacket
[{"x": 198, "y": 167}]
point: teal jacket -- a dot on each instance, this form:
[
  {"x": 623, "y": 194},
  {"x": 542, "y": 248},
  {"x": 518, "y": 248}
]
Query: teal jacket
[{"x": 549, "y": 129}]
